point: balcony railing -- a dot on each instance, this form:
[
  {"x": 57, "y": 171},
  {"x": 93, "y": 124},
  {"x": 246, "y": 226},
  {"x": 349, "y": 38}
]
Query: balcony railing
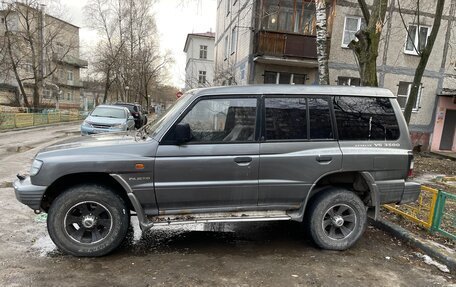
[
  {"x": 70, "y": 60},
  {"x": 280, "y": 44}
]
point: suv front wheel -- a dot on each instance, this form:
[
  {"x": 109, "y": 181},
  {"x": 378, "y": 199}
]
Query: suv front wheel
[
  {"x": 88, "y": 220},
  {"x": 336, "y": 219}
]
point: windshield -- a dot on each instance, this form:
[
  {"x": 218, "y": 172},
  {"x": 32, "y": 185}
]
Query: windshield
[
  {"x": 108, "y": 113},
  {"x": 155, "y": 126}
]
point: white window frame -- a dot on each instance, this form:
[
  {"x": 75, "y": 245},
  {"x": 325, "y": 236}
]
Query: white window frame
[
  {"x": 418, "y": 98},
  {"x": 417, "y": 35},
  {"x": 350, "y": 79},
  {"x": 359, "y": 19},
  {"x": 233, "y": 40},
  {"x": 69, "y": 96},
  {"x": 228, "y": 7},
  {"x": 203, "y": 51},
  {"x": 202, "y": 75},
  {"x": 227, "y": 46}
]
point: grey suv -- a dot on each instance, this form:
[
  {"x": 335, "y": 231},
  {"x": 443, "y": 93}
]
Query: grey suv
[{"x": 327, "y": 156}]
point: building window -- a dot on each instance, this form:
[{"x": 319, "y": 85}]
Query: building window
[
  {"x": 403, "y": 93},
  {"x": 201, "y": 77},
  {"x": 348, "y": 81},
  {"x": 228, "y": 4},
  {"x": 69, "y": 96},
  {"x": 233, "y": 40},
  {"x": 289, "y": 16},
  {"x": 28, "y": 67},
  {"x": 2, "y": 20},
  {"x": 70, "y": 75},
  {"x": 203, "y": 52},
  {"x": 351, "y": 26},
  {"x": 59, "y": 49},
  {"x": 47, "y": 94},
  {"x": 226, "y": 47},
  {"x": 242, "y": 72},
  {"x": 284, "y": 78},
  {"x": 416, "y": 39}
]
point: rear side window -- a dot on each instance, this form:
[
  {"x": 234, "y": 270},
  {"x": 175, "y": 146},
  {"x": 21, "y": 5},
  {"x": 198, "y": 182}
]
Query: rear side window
[
  {"x": 286, "y": 118},
  {"x": 320, "y": 119},
  {"x": 360, "y": 118},
  {"x": 297, "y": 118}
]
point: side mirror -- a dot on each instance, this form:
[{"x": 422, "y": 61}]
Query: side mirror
[
  {"x": 130, "y": 117},
  {"x": 182, "y": 133}
]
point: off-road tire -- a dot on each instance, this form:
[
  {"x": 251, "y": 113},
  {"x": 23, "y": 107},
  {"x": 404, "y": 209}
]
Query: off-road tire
[
  {"x": 114, "y": 207},
  {"x": 328, "y": 202}
]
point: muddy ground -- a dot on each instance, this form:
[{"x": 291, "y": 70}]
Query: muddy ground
[{"x": 248, "y": 254}]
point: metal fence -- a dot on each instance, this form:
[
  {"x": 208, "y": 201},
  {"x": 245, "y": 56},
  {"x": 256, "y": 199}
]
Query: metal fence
[
  {"x": 445, "y": 217},
  {"x": 22, "y": 120},
  {"x": 434, "y": 210}
]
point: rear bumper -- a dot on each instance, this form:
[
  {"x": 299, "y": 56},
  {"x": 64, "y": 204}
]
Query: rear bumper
[
  {"x": 29, "y": 194},
  {"x": 398, "y": 191},
  {"x": 411, "y": 192}
]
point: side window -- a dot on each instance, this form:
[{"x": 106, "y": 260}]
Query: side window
[
  {"x": 320, "y": 119},
  {"x": 360, "y": 118},
  {"x": 222, "y": 120},
  {"x": 286, "y": 118}
]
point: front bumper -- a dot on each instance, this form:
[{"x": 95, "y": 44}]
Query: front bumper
[
  {"x": 91, "y": 130},
  {"x": 29, "y": 194}
]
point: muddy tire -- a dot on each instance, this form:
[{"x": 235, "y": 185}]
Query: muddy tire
[
  {"x": 336, "y": 219},
  {"x": 88, "y": 220}
]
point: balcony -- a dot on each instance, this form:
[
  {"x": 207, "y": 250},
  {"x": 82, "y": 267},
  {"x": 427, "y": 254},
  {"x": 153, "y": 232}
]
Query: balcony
[
  {"x": 70, "y": 60},
  {"x": 284, "y": 45}
]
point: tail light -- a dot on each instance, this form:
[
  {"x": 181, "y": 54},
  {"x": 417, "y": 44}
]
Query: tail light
[{"x": 411, "y": 164}]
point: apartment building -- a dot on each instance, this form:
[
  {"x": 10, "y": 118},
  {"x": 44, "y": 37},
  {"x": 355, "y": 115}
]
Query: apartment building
[
  {"x": 274, "y": 42},
  {"x": 56, "y": 56},
  {"x": 199, "y": 68}
]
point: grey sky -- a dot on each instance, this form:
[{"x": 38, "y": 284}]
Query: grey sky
[{"x": 175, "y": 19}]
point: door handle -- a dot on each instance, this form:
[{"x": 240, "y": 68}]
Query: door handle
[
  {"x": 242, "y": 160},
  {"x": 324, "y": 158}
]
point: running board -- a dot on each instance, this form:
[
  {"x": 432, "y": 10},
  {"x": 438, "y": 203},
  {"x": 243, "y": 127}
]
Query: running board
[{"x": 226, "y": 217}]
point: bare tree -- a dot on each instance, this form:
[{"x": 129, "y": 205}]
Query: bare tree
[
  {"x": 367, "y": 41},
  {"x": 322, "y": 41},
  {"x": 423, "y": 50},
  {"x": 34, "y": 43},
  {"x": 128, "y": 56}
]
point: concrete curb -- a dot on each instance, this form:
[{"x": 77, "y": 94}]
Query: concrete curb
[
  {"x": 38, "y": 127},
  {"x": 443, "y": 155},
  {"x": 425, "y": 245}
]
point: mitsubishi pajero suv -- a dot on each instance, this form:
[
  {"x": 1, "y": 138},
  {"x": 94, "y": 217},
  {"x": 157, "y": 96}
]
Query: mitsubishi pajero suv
[{"x": 324, "y": 155}]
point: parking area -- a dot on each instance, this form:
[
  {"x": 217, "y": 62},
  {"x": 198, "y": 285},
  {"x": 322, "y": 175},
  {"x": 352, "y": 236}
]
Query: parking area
[{"x": 247, "y": 254}]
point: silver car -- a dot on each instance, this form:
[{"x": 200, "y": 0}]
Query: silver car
[
  {"x": 107, "y": 118},
  {"x": 327, "y": 156}
]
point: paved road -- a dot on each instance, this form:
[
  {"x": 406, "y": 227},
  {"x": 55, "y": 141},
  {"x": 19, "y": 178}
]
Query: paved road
[{"x": 250, "y": 254}]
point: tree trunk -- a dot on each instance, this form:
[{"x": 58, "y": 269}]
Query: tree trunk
[
  {"x": 368, "y": 39},
  {"x": 14, "y": 66},
  {"x": 107, "y": 84},
  {"x": 322, "y": 41},
  {"x": 423, "y": 62}
]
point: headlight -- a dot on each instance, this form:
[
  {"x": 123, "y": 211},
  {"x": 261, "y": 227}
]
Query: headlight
[
  {"x": 86, "y": 124},
  {"x": 36, "y": 166}
]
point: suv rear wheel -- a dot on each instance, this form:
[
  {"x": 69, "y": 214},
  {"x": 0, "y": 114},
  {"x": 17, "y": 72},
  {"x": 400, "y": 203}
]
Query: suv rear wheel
[
  {"x": 336, "y": 219},
  {"x": 88, "y": 220}
]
